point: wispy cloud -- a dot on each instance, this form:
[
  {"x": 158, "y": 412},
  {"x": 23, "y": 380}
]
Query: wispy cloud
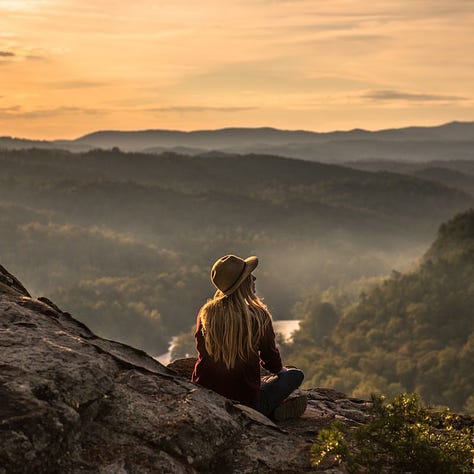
[
  {"x": 36, "y": 57},
  {"x": 361, "y": 37},
  {"x": 7, "y": 57},
  {"x": 79, "y": 84},
  {"x": 394, "y": 95},
  {"x": 197, "y": 108},
  {"x": 18, "y": 113},
  {"x": 58, "y": 111},
  {"x": 22, "y": 54},
  {"x": 8, "y": 112}
]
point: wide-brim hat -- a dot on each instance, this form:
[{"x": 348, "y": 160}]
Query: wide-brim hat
[{"x": 228, "y": 273}]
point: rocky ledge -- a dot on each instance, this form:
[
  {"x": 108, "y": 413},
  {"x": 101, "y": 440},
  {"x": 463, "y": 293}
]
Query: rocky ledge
[{"x": 73, "y": 402}]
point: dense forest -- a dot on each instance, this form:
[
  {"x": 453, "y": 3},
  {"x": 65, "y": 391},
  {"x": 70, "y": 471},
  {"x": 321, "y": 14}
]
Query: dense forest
[
  {"x": 412, "y": 332},
  {"x": 124, "y": 241},
  {"x": 457, "y": 174}
]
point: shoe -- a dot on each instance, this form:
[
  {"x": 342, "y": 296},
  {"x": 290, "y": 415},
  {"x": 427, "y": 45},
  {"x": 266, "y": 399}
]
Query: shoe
[{"x": 292, "y": 407}]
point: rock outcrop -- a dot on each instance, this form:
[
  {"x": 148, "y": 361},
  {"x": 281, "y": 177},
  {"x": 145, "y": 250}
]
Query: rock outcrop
[{"x": 73, "y": 402}]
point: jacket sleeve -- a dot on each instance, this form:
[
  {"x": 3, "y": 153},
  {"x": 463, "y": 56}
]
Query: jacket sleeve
[{"x": 269, "y": 354}]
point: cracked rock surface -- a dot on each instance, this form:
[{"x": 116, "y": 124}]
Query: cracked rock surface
[{"x": 72, "y": 402}]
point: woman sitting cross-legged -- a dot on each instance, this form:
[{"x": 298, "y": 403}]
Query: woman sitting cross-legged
[{"x": 234, "y": 337}]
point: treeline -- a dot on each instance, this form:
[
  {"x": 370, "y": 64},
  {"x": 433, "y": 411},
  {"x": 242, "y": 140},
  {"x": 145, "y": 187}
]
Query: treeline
[{"x": 414, "y": 332}]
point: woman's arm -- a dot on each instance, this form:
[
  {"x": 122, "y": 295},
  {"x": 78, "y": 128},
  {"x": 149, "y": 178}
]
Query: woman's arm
[{"x": 270, "y": 358}]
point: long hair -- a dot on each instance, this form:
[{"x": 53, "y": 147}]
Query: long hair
[{"x": 233, "y": 325}]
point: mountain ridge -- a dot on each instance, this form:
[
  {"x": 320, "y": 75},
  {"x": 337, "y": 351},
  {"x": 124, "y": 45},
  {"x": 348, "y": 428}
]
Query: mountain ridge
[
  {"x": 453, "y": 140},
  {"x": 310, "y": 133}
]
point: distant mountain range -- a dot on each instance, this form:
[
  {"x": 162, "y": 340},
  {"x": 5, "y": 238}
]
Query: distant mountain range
[{"x": 451, "y": 141}]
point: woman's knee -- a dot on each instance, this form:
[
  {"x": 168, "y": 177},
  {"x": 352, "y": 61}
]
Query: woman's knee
[{"x": 296, "y": 376}]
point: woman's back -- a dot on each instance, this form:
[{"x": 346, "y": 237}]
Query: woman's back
[
  {"x": 241, "y": 381},
  {"x": 235, "y": 337}
]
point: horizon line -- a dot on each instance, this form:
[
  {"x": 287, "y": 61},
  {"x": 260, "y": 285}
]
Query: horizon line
[{"x": 355, "y": 129}]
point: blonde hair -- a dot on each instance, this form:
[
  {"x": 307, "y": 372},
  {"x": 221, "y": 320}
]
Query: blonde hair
[{"x": 233, "y": 325}]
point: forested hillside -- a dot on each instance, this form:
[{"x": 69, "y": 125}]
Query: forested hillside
[
  {"x": 458, "y": 174},
  {"x": 125, "y": 240},
  {"x": 413, "y": 332}
]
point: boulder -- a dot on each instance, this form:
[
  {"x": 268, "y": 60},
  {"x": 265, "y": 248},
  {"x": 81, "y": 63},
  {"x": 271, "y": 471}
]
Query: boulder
[{"x": 72, "y": 402}]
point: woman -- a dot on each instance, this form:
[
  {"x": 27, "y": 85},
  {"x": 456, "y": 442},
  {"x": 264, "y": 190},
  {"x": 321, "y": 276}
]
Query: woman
[{"x": 234, "y": 337}]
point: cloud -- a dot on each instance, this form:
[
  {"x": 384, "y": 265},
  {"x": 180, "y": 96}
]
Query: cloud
[
  {"x": 8, "y": 112},
  {"x": 6, "y": 57},
  {"x": 359, "y": 37},
  {"x": 272, "y": 81},
  {"x": 17, "y": 113},
  {"x": 35, "y": 57},
  {"x": 79, "y": 84},
  {"x": 29, "y": 55},
  {"x": 195, "y": 108},
  {"x": 393, "y": 95}
]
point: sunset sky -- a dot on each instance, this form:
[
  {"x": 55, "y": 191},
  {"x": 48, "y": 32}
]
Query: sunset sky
[{"x": 69, "y": 67}]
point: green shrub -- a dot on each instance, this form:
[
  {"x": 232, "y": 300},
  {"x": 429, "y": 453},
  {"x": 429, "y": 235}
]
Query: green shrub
[{"x": 402, "y": 437}]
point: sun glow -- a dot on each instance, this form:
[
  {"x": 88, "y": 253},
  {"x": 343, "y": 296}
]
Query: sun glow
[{"x": 22, "y": 5}]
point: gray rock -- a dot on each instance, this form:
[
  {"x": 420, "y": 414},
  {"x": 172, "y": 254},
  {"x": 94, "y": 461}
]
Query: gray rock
[{"x": 73, "y": 402}]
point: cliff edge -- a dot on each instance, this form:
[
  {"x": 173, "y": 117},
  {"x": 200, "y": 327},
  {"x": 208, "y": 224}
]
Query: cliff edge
[{"x": 72, "y": 402}]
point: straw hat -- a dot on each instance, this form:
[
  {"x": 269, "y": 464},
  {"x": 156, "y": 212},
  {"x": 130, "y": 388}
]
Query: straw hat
[{"x": 230, "y": 271}]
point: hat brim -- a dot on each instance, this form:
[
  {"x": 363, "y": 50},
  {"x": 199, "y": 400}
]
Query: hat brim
[{"x": 250, "y": 265}]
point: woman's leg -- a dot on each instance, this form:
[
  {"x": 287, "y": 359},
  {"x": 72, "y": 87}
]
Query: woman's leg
[{"x": 274, "y": 389}]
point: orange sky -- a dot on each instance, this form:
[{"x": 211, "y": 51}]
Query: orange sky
[{"x": 68, "y": 67}]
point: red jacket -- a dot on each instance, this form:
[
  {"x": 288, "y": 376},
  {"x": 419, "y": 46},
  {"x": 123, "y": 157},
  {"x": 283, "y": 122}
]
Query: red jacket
[{"x": 242, "y": 382}]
